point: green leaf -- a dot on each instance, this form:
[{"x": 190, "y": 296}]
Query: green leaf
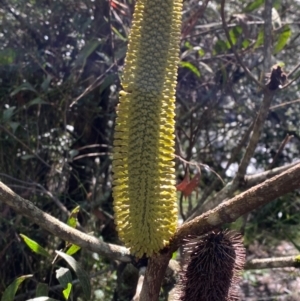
[
  {"x": 191, "y": 67},
  {"x": 86, "y": 51},
  {"x": 14, "y": 125},
  {"x": 188, "y": 45},
  {"x": 221, "y": 46},
  {"x": 245, "y": 43},
  {"x": 201, "y": 52},
  {"x": 72, "y": 220},
  {"x": 260, "y": 39},
  {"x": 42, "y": 289},
  {"x": 10, "y": 292},
  {"x": 7, "y": 114},
  {"x": 124, "y": 39},
  {"x": 37, "y": 101},
  {"x": 27, "y": 157},
  {"x": 7, "y": 56},
  {"x": 234, "y": 33},
  {"x": 67, "y": 291},
  {"x": 108, "y": 81},
  {"x": 80, "y": 272},
  {"x": 73, "y": 249},
  {"x": 24, "y": 87},
  {"x": 253, "y": 5},
  {"x": 34, "y": 246},
  {"x": 283, "y": 38},
  {"x": 64, "y": 276},
  {"x": 45, "y": 84}
]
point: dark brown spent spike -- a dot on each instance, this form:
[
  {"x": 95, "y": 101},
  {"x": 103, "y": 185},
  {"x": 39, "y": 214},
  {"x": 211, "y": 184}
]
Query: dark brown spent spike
[
  {"x": 213, "y": 268},
  {"x": 277, "y": 78}
]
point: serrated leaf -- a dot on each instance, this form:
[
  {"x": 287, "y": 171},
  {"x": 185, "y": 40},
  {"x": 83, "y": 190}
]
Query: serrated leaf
[
  {"x": 191, "y": 67},
  {"x": 34, "y": 246},
  {"x": 80, "y": 272},
  {"x": 73, "y": 250},
  {"x": 10, "y": 291},
  {"x": 283, "y": 38},
  {"x": 254, "y": 5},
  {"x": 43, "y": 298},
  {"x": 72, "y": 220},
  {"x": 42, "y": 289},
  {"x": 67, "y": 291}
]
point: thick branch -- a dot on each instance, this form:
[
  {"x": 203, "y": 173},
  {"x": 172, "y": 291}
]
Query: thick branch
[
  {"x": 245, "y": 202},
  {"x": 271, "y": 263},
  {"x": 154, "y": 276},
  {"x": 59, "y": 229},
  {"x": 255, "y": 179}
]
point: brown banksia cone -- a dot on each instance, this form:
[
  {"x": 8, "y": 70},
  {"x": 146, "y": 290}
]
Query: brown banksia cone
[{"x": 214, "y": 267}]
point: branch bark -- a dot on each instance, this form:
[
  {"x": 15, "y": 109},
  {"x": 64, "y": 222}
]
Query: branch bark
[
  {"x": 271, "y": 263},
  {"x": 59, "y": 229},
  {"x": 243, "y": 203}
]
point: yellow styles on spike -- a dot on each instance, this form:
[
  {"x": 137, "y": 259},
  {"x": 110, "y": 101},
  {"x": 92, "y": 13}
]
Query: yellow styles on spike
[{"x": 144, "y": 190}]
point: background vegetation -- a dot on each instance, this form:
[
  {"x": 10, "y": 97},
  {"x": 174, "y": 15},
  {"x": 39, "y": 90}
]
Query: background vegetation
[{"x": 60, "y": 67}]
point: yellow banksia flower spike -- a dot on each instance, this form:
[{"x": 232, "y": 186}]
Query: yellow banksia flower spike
[{"x": 144, "y": 190}]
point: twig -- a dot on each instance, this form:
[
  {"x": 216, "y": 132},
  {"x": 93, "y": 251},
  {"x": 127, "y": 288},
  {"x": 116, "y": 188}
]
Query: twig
[
  {"x": 268, "y": 29},
  {"x": 271, "y": 263},
  {"x": 239, "y": 60},
  {"x": 97, "y": 82},
  {"x": 59, "y": 229},
  {"x": 255, "y": 179},
  {"x": 285, "y": 104},
  {"x": 235, "y": 152},
  {"x": 228, "y": 190},
  {"x": 26, "y": 147},
  {"x": 280, "y": 149},
  {"x": 190, "y": 23}
]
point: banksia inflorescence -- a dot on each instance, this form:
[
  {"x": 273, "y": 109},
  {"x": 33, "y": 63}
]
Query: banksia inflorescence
[
  {"x": 214, "y": 267},
  {"x": 143, "y": 163}
]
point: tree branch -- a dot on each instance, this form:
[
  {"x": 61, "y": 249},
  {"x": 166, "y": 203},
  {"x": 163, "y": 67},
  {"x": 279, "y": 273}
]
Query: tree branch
[
  {"x": 271, "y": 263},
  {"x": 227, "y": 212},
  {"x": 59, "y": 229},
  {"x": 255, "y": 179},
  {"x": 243, "y": 203}
]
